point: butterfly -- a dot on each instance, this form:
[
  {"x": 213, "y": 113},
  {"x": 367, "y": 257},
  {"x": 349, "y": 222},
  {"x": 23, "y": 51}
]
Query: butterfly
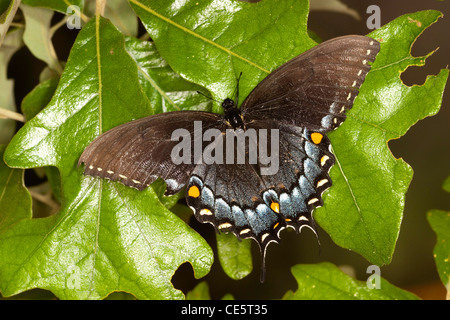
[{"x": 297, "y": 104}]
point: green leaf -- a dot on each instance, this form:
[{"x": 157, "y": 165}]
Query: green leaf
[
  {"x": 6, "y": 18},
  {"x": 38, "y": 98},
  {"x": 446, "y": 184},
  {"x": 324, "y": 281},
  {"x": 364, "y": 208},
  {"x": 440, "y": 223},
  {"x": 164, "y": 88},
  {"x": 200, "y": 292},
  {"x": 15, "y": 200},
  {"x": 211, "y": 42},
  {"x": 37, "y": 35},
  {"x": 106, "y": 237},
  {"x": 235, "y": 256},
  {"x": 166, "y": 92},
  {"x": 57, "y": 5}
]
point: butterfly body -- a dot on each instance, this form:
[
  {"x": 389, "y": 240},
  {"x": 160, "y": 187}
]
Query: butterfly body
[
  {"x": 232, "y": 114},
  {"x": 245, "y": 192}
]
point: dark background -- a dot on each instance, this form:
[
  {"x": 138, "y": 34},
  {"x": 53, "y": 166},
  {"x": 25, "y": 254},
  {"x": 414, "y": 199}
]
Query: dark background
[{"x": 425, "y": 147}]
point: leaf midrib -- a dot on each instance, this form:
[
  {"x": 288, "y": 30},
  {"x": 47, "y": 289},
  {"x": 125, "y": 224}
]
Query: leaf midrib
[
  {"x": 99, "y": 69},
  {"x": 355, "y": 202},
  {"x": 161, "y": 273}
]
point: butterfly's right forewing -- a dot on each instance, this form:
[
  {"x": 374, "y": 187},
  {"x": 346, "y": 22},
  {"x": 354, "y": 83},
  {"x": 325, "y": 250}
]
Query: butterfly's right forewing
[{"x": 315, "y": 89}]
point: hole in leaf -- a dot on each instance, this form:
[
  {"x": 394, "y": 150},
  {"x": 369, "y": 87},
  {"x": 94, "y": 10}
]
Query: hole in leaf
[
  {"x": 44, "y": 185},
  {"x": 183, "y": 279},
  {"x": 120, "y": 295}
]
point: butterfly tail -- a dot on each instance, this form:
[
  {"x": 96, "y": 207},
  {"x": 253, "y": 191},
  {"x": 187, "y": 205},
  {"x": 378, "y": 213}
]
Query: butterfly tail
[
  {"x": 262, "y": 276},
  {"x": 263, "y": 248}
]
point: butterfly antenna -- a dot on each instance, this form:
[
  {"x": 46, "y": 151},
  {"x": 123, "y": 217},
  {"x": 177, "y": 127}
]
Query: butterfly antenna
[
  {"x": 208, "y": 97},
  {"x": 236, "y": 91}
]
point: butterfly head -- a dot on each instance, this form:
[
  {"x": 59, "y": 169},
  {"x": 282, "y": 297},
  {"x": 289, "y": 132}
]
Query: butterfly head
[
  {"x": 228, "y": 104},
  {"x": 232, "y": 114}
]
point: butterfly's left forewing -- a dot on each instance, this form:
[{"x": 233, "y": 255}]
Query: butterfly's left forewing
[{"x": 138, "y": 152}]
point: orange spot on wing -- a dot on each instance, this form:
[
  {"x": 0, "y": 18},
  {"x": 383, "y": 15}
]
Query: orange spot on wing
[
  {"x": 193, "y": 192},
  {"x": 275, "y": 207},
  {"x": 316, "y": 137}
]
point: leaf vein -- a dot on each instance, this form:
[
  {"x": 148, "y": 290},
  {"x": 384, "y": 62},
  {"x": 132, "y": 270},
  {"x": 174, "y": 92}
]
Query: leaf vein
[
  {"x": 354, "y": 199},
  {"x": 196, "y": 35}
]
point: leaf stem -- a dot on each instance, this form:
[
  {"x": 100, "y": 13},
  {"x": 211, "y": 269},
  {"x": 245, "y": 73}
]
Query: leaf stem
[
  {"x": 45, "y": 199},
  {"x": 100, "y": 7},
  {"x": 77, "y": 12},
  {"x": 17, "y": 25},
  {"x": 99, "y": 71},
  {"x": 8, "y": 114},
  {"x": 58, "y": 25}
]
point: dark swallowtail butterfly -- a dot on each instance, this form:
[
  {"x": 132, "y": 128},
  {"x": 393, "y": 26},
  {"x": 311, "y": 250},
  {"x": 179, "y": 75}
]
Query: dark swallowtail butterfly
[{"x": 303, "y": 99}]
